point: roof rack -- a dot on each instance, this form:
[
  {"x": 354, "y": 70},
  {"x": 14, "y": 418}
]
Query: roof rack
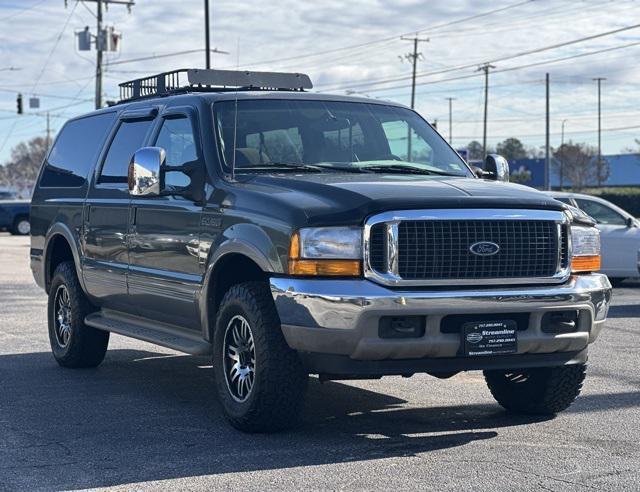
[{"x": 209, "y": 80}]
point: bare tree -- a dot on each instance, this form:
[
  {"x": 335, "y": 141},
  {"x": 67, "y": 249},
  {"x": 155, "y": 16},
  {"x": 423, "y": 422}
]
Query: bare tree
[
  {"x": 576, "y": 164},
  {"x": 21, "y": 170}
]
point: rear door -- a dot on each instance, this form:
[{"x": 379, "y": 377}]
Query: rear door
[
  {"x": 165, "y": 272},
  {"x": 106, "y": 217},
  {"x": 620, "y": 243}
]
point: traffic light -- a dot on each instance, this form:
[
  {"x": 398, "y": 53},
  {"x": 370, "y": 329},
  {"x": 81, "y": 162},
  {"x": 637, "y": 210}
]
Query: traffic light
[{"x": 19, "y": 103}]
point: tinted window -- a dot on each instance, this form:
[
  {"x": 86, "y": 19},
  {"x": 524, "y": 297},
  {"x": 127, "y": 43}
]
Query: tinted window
[
  {"x": 602, "y": 213},
  {"x": 74, "y": 153},
  {"x": 129, "y": 138},
  {"x": 176, "y": 138}
]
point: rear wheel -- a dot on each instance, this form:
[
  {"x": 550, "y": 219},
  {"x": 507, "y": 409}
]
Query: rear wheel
[
  {"x": 259, "y": 379},
  {"x": 544, "y": 390},
  {"x": 73, "y": 343},
  {"x": 21, "y": 226}
]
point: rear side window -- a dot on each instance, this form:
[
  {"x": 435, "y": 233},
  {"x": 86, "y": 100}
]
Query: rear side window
[
  {"x": 129, "y": 138},
  {"x": 75, "y": 151}
]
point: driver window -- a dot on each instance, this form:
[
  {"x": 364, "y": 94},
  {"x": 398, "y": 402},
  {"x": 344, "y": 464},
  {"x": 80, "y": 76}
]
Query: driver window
[
  {"x": 600, "y": 212},
  {"x": 176, "y": 138}
]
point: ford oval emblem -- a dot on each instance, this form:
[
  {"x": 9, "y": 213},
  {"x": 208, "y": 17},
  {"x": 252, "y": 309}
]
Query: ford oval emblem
[{"x": 484, "y": 248}]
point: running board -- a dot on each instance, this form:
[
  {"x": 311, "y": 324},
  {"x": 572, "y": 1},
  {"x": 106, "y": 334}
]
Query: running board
[{"x": 153, "y": 332}]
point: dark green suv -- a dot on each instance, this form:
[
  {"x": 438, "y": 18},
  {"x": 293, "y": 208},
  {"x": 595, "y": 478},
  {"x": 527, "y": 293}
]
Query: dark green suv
[{"x": 288, "y": 233}]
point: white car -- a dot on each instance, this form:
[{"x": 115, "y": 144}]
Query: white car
[{"x": 619, "y": 233}]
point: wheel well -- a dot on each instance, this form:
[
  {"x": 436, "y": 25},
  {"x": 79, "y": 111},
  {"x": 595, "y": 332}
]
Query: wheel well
[
  {"x": 59, "y": 251},
  {"x": 230, "y": 270}
]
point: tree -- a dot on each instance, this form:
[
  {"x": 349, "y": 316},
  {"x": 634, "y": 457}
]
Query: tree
[
  {"x": 21, "y": 170},
  {"x": 576, "y": 164},
  {"x": 512, "y": 149},
  {"x": 474, "y": 148}
]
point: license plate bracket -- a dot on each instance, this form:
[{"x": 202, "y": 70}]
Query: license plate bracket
[{"x": 486, "y": 338}]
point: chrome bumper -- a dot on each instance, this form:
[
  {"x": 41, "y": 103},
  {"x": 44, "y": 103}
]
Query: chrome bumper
[{"x": 341, "y": 317}]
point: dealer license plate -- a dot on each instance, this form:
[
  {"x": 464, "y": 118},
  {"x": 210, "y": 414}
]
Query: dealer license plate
[{"x": 490, "y": 337}]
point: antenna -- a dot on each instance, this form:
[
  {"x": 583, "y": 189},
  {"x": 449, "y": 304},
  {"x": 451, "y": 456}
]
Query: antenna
[{"x": 235, "y": 116}]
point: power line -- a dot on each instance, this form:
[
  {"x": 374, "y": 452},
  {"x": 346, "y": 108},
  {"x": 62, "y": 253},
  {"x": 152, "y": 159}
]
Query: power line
[
  {"x": 165, "y": 55},
  {"x": 53, "y": 48},
  {"x": 390, "y": 38},
  {"x": 22, "y": 11},
  {"x": 495, "y": 60},
  {"x": 510, "y": 69}
]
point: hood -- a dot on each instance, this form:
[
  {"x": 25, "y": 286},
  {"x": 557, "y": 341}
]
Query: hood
[{"x": 333, "y": 198}]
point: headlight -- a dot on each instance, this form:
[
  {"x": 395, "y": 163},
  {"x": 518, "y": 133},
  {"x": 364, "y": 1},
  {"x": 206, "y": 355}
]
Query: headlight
[
  {"x": 326, "y": 251},
  {"x": 585, "y": 247}
]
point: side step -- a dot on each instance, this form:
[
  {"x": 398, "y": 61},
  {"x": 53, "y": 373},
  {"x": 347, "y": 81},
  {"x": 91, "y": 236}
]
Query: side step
[{"x": 148, "y": 331}]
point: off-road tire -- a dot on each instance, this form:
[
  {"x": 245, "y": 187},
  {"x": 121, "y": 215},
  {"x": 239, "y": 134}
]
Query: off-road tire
[
  {"x": 275, "y": 400},
  {"x": 542, "y": 391},
  {"x": 16, "y": 226},
  {"x": 86, "y": 346}
]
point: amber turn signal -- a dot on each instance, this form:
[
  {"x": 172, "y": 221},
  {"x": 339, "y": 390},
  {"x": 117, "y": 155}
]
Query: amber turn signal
[
  {"x": 340, "y": 268},
  {"x": 585, "y": 263}
]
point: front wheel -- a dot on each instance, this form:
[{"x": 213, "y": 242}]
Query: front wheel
[
  {"x": 259, "y": 379},
  {"x": 542, "y": 391}
]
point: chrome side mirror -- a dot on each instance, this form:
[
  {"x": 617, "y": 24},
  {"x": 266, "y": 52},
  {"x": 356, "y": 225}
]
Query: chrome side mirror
[
  {"x": 145, "y": 171},
  {"x": 496, "y": 168}
]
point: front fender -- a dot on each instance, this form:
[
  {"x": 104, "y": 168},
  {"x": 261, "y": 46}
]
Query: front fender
[{"x": 245, "y": 239}]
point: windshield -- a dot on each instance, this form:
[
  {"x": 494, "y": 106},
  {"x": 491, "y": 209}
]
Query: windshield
[{"x": 326, "y": 136}]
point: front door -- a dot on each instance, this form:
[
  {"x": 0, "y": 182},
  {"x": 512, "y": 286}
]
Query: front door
[
  {"x": 165, "y": 272},
  {"x": 106, "y": 216}
]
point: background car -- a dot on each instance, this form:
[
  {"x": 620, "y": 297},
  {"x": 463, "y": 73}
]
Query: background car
[
  {"x": 619, "y": 232},
  {"x": 14, "y": 217}
]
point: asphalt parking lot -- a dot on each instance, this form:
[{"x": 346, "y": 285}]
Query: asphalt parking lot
[{"x": 147, "y": 419}]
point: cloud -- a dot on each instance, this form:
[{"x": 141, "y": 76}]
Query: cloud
[{"x": 267, "y": 31}]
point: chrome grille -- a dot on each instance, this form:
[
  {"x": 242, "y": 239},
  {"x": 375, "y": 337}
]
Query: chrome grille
[
  {"x": 533, "y": 246},
  {"x": 441, "y": 249}
]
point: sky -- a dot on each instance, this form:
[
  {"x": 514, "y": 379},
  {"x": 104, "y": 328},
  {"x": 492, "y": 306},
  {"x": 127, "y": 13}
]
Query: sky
[{"x": 353, "y": 46}]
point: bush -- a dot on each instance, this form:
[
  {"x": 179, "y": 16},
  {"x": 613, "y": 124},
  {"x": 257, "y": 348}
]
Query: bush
[{"x": 627, "y": 198}]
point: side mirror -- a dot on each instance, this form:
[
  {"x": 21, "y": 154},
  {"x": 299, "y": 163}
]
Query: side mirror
[
  {"x": 631, "y": 222},
  {"x": 145, "y": 171},
  {"x": 496, "y": 168}
]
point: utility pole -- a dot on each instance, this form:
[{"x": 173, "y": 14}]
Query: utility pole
[
  {"x": 48, "y": 141},
  {"x": 101, "y": 40},
  {"x": 99, "y": 48},
  {"x": 485, "y": 68},
  {"x": 450, "y": 99},
  {"x": 547, "y": 181},
  {"x": 562, "y": 155},
  {"x": 206, "y": 35},
  {"x": 413, "y": 58},
  {"x": 599, "y": 162}
]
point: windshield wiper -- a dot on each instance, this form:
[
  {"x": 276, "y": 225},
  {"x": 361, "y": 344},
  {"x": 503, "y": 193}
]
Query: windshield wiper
[
  {"x": 280, "y": 166},
  {"x": 405, "y": 169}
]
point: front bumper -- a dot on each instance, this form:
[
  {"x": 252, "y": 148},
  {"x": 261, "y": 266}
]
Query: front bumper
[{"x": 340, "y": 318}]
